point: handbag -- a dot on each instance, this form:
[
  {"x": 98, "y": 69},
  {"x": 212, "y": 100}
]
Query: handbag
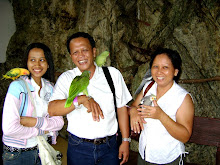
[
  {"x": 134, "y": 135},
  {"x": 48, "y": 155}
]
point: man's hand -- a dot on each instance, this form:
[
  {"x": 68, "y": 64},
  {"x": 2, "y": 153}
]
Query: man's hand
[
  {"x": 124, "y": 152},
  {"x": 92, "y": 106},
  {"x": 123, "y": 120}
]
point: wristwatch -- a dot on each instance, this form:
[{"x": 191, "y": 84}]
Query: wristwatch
[
  {"x": 75, "y": 102},
  {"x": 126, "y": 139}
]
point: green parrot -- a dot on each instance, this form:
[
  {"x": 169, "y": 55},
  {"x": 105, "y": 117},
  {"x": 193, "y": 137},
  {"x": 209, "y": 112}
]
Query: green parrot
[
  {"x": 78, "y": 85},
  {"x": 101, "y": 59}
]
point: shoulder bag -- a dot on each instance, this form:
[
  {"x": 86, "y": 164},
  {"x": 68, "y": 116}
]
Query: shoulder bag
[
  {"x": 48, "y": 155},
  {"x": 134, "y": 135},
  {"x": 110, "y": 83}
]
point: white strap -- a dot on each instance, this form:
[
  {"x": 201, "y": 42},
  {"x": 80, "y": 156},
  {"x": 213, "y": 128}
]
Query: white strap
[
  {"x": 31, "y": 97},
  {"x": 181, "y": 158}
]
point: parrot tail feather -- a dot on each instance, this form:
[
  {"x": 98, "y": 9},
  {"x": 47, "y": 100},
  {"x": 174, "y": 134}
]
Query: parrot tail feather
[
  {"x": 67, "y": 105},
  {"x": 85, "y": 92},
  {"x": 8, "y": 77}
]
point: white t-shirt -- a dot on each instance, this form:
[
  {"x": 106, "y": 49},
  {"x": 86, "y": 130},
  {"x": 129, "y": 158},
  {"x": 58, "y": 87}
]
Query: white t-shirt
[
  {"x": 41, "y": 107},
  {"x": 80, "y": 122},
  {"x": 156, "y": 145}
]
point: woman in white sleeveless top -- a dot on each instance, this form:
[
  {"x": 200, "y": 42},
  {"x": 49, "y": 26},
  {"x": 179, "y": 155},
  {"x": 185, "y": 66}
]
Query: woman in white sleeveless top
[{"x": 166, "y": 124}]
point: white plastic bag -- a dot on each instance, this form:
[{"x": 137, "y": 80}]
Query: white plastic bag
[{"x": 48, "y": 155}]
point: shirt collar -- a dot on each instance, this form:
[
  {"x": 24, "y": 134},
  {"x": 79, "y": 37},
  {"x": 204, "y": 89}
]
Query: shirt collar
[
  {"x": 35, "y": 85},
  {"x": 98, "y": 70}
]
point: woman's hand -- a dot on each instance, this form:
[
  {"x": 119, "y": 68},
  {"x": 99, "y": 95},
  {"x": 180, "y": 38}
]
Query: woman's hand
[
  {"x": 181, "y": 129},
  {"x": 136, "y": 121},
  {"x": 153, "y": 112},
  {"x": 28, "y": 121}
]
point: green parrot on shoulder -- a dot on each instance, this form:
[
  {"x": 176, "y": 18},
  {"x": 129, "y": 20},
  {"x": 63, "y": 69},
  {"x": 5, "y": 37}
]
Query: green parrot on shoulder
[
  {"x": 101, "y": 59},
  {"x": 15, "y": 73}
]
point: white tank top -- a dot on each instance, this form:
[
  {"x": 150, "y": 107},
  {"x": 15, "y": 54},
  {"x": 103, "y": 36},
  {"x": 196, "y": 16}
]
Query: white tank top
[{"x": 156, "y": 145}]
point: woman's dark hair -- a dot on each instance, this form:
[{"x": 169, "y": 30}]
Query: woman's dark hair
[
  {"x": 173, "y": 56},
  {"x": 77, "y": 35},
  {"x": 49, "y": 57}
]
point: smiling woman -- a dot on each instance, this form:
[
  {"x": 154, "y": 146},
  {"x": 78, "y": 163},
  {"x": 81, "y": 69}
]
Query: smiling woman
[
  {"x": 39, "y": 60},
  {"x": 170, "y": 115},
  {"x": 162, "y": 72},
  {"x": 23, "y": 119},
  {"x": 37, "y": 64}
]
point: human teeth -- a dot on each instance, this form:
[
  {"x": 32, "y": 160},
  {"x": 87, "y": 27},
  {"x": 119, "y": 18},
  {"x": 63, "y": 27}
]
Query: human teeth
[
  {"x": 82, "y": 61},
  {"x": 160, "y": 78}
]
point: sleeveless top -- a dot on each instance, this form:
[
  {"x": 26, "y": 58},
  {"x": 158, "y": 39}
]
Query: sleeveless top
[{"x": 156, "y": 145}]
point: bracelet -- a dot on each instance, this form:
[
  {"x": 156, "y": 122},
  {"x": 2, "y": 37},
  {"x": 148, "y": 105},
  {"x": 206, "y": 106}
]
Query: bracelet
[{"x": 75, "y": 102}]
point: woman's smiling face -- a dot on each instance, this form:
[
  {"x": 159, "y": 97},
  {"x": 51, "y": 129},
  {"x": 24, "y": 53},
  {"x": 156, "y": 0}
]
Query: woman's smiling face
[
  {"x": 37, "y": 63},
  {"x": 163, "y": 71}
]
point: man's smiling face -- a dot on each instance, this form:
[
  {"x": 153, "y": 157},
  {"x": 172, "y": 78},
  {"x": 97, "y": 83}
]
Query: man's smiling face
[{"x": 82, "y": 54}]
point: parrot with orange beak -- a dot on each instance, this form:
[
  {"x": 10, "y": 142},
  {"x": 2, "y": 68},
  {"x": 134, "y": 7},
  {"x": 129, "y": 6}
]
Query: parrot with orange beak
[{"x": 15, "y": 73}]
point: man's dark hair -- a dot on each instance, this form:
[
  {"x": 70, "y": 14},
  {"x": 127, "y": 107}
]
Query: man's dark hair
[{"x": 80, "y": 34}]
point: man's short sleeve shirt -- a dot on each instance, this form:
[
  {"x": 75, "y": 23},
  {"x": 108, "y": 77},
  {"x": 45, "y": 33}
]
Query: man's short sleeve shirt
[{"x": 80, "y": 122}]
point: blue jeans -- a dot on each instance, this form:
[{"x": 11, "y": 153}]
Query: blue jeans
[
  {"x": 87, "y": 153},
  {"x": 21, "y": 158}
]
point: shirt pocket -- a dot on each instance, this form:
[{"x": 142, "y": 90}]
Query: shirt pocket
[{"x": 106, "y": 102}]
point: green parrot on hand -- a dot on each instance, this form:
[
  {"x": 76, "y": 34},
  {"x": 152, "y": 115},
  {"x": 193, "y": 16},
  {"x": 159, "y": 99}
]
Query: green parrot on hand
[
  {"x": 78, "y": 85},
  {"x": 101, "y": 59}
]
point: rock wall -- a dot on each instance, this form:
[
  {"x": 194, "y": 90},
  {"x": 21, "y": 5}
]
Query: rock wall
[{"x": 130, "y": 30}]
